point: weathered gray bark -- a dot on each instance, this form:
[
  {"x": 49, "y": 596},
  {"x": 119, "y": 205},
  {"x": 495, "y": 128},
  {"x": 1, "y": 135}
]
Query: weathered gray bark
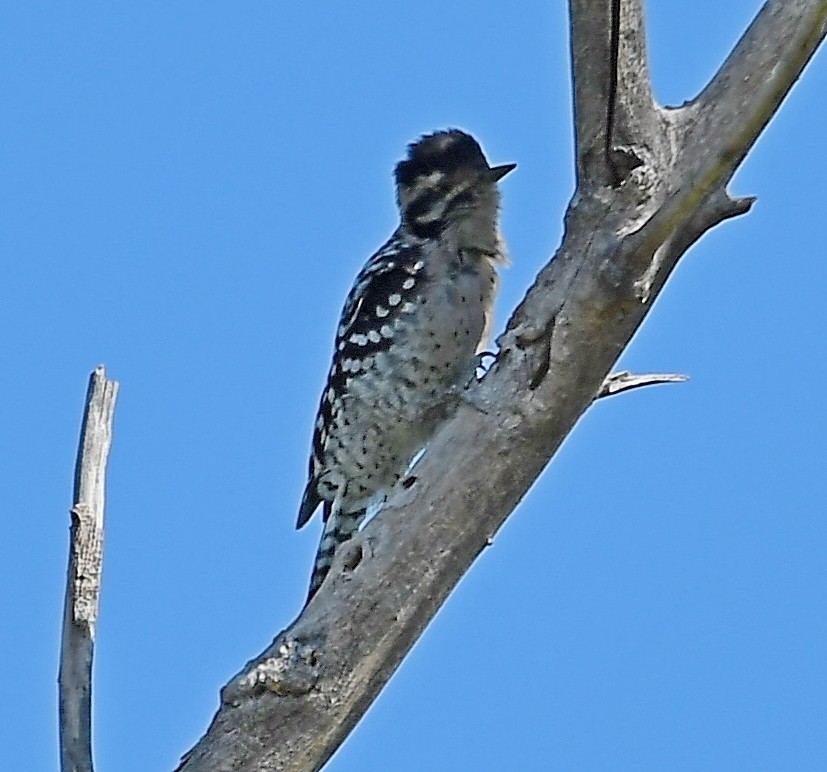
[
  {"x": 80, "y": 610},
  {"x": 650, "y": 182}
]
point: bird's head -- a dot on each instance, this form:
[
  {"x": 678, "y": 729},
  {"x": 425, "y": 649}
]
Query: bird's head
[{"x": 446, "y": 180}]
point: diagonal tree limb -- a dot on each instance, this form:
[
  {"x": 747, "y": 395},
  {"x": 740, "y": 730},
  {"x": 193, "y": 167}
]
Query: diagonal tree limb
[
  {"x": 713, "y": 133},
  {"x": 291, "y": 707},
  {"x": 80, "y": 610},
  {"x": 739, "y": 101}
]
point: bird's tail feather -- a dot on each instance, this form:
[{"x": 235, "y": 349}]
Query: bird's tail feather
[{"x": 338, "y": 529}]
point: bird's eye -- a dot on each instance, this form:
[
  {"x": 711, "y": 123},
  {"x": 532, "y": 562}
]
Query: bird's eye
[{"x": 464, "y": 200}]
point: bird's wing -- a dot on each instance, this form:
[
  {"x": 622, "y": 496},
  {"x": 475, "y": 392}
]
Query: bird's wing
[{"x": 383, "y": 286}]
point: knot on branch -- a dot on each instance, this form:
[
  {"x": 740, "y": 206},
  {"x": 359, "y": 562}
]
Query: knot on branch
[
  {"x": 624, "y": 160},
  {"x": 293, "y": 671}
]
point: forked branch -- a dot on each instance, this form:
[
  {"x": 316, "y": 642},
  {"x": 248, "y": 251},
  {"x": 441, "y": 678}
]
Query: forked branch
[{"x": 650, "y": 182}]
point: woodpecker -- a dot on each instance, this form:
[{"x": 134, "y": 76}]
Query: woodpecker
[{"x": 411, "y": 329}]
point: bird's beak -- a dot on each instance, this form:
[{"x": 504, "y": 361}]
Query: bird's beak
[{"x": 496, "y": 173}]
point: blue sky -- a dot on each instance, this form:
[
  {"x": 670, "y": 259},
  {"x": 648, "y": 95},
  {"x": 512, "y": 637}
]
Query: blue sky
[{"x": 188, "y": 190}]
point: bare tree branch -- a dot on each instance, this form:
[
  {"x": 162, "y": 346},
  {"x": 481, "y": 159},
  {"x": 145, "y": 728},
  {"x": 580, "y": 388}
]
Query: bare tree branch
[
  {"x": 651, "y": 181},
  {"x": 594, "y": 78},
  {"x": 608, "y": 50},
  {"x": 80, "y": 610}
]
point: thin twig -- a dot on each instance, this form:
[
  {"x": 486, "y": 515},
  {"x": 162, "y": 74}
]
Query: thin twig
[
  {"x": 80, "y": 610},
  {"x": 625, "y": 381}
]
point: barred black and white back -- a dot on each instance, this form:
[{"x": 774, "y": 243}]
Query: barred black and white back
[{"x": 412, "y": 325}]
